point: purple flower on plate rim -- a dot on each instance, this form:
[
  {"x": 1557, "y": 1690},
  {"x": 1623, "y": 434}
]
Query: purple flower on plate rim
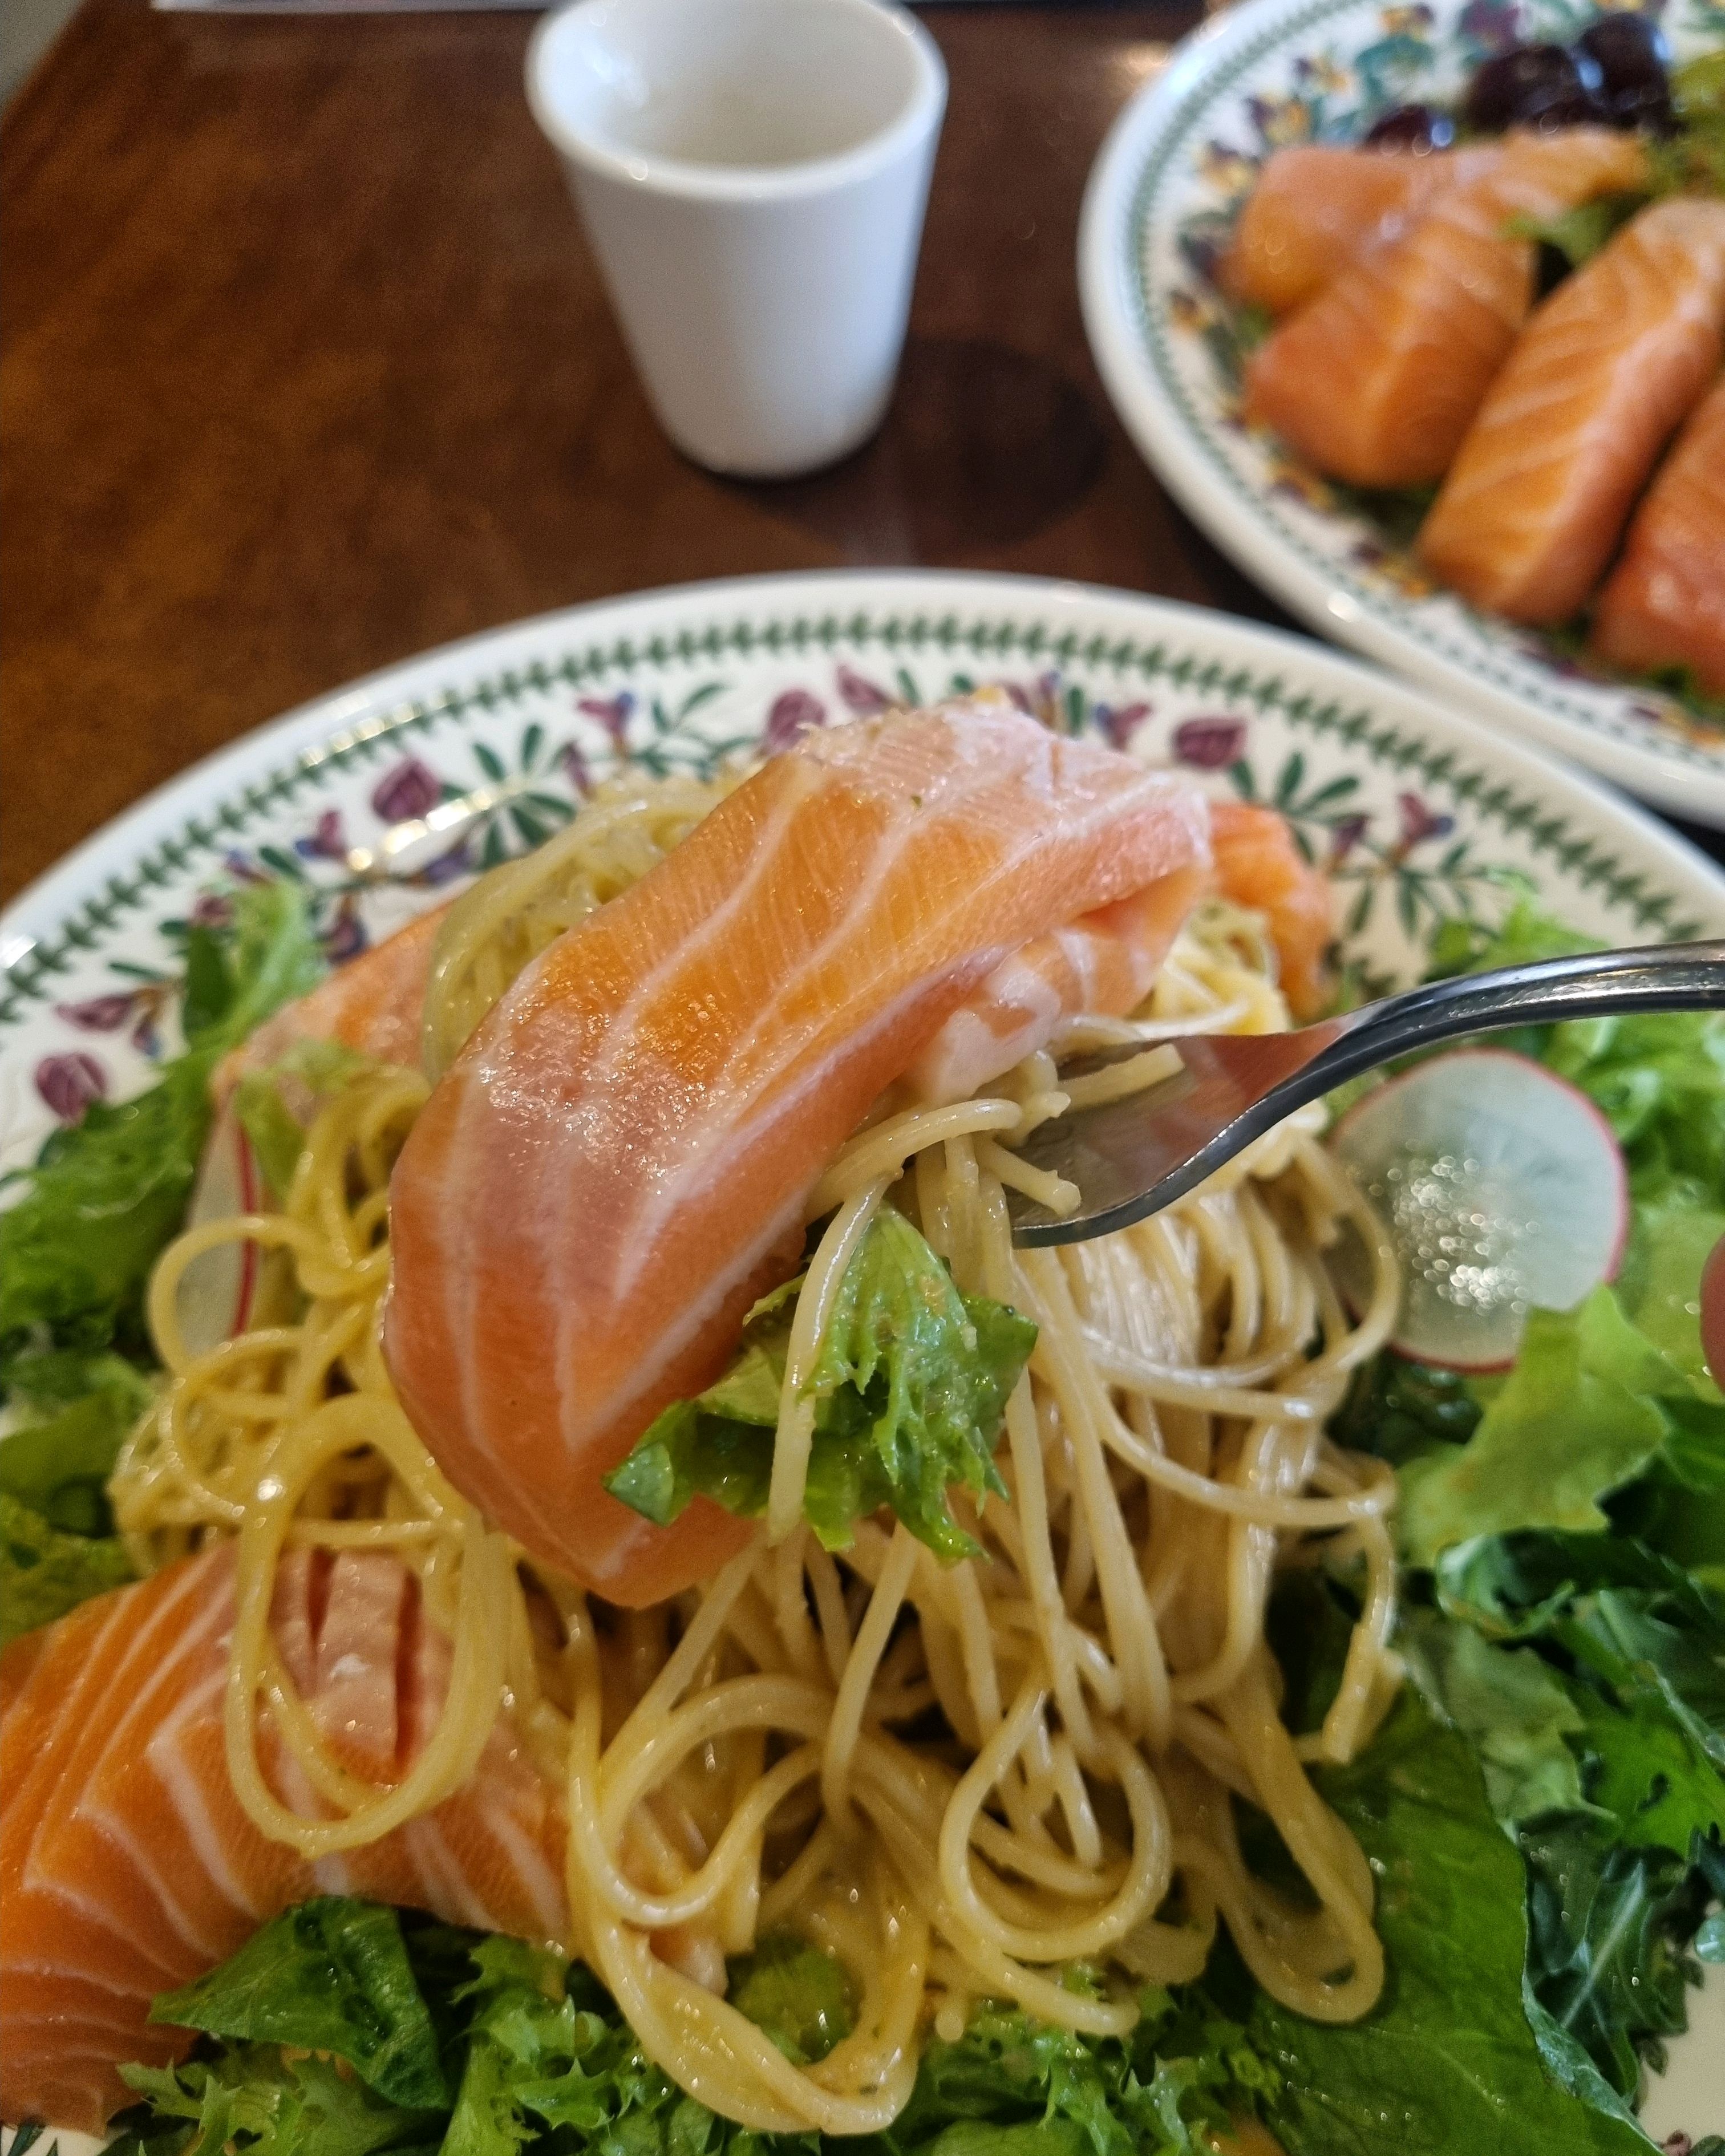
[
  {"x": 791, "y": 715},
  {"x": 100, "y": 1015},
  {"x": 70, "y": 1083},
  {"x": 1210, "y": 743},
  {"x": 861, "y": 696},
  {"x": 346, "y": 937},
  {"x": 614, "y": 714},
  {"x": 574, "y": 766},
  {"x": 326, "y": 840},
  {"x": 140, "y": 1008},
  {"x": 1345, "y": 834},
  {"x": 1419, "y": 823},
  {"x": 407, "y": 792},
  {"x": 1039, "y": 699},
  {"x": 1118, "y": 722}
]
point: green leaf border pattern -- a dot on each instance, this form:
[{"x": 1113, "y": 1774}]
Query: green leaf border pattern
[{"x": 1493, "y": 799}]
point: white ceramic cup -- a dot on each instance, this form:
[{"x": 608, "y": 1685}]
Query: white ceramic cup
[{"x": 752, "y": 174}]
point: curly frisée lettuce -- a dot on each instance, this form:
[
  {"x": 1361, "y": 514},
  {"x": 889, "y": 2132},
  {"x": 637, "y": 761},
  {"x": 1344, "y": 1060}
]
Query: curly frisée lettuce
[
  {"x": 344, "y": 2028},
  {"x": 910, "y": 1384}
]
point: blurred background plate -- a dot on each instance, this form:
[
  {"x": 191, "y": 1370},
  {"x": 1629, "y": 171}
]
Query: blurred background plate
[{"x": 1170, "y": 176}]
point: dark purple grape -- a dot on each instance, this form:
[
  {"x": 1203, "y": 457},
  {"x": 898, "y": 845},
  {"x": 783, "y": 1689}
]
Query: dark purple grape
[
  {"x": 1420, "y": 128},
  {"x": 1632, "y": 55},
  {"x": 1540, "y": 86}
]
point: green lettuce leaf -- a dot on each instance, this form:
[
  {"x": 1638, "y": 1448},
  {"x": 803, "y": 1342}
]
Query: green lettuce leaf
[
  {"x": 1692, "y": 160},
  {"x": 1400, "y": 1410},
  {"x": 1012, "y": 2083},
  {"x": 1618, "y": 1879},
  {"x": 44, "y": 1573},
  {"x": 1660, "y": 1080},
  {"x": 1634, "y": 1623},
  {"x": 1422, "y": 2073},
  {"x": 1607, "y": 1927},
  {"x": 802, "y": 1996},
  {"x": 1578, "y": 233},
  {"x": 1670, "y": 1243},
  {"x": 1578, "y": 1416},
  {"x": 1515, "y": 1711},
  {"x": 106, "y": 1193},
  {"x": 250, "y": 2098},
  {"x": 910, "y": 1383},
  {"x": 330, "y": 1975},
  {"x": 58, "y": 1461},
  {"x": 311, "y": 1072},
  {"x": 1644, "y": 1773},
  {"x": 539, "y": 2057}
]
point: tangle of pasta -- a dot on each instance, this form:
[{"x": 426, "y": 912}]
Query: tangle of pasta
[{"x": 958, "y": 1779}]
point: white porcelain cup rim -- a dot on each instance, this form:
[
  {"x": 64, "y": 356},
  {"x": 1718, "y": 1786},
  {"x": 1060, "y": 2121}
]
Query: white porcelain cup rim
[{"x": 656, "y": 173}]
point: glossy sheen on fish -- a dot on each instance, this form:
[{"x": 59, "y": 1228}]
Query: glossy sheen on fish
[
  {"x": 1378, "y": 379},
  {"x": 1608, "y": 367},
  {"x": 1664, "y": 603},
  {"x": 616, "y": 1166},
  {"x": 1316, "y": 208},
  {"x": 127, "y": 1866}
]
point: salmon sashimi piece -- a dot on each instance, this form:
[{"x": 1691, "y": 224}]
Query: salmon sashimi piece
[
  {"x": 1535, "y": 503},
  {"x": 1314, "y": 209},
  {"x": 372, "y": 1005},
  {"x": 1259, "y": 864},
  {"x": 1664, "y": 603},
  {"x": 1105, "y": 963},
  {"x": 127, "y": 1864},
  {"x": 1377, "y": 381},
  {"x": 616, "y": 1166}
]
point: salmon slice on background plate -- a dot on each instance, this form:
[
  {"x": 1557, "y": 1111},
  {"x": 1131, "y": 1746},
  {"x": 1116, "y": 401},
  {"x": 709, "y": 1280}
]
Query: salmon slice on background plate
[
  {"x": 1664, "y": 603},
  {"x": 1609, "y": 366},
  {"x": 128, "y": 1865},
  {"x": 1377, "y": 381},
  {"x": 1315, "y": 208},
  {"x": 616, "y": 1167}
]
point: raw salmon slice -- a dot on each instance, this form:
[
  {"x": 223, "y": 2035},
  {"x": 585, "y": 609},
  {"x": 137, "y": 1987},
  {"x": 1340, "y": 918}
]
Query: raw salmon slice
[
  {"x": 1535, "y": 503},
  {"x": 1105, "y": 962},
  {"x": 1664, "y": 603},
  {"x": 1377, "y": 381},
  {"x": 127, "y": 1865},
  {"x": 616, "y": 1166},
  {"x": 1316, "y": 208},
  {"x": 1259, "y": 864}
]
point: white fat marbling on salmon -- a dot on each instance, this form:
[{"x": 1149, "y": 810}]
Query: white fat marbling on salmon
[
  {"x": 617, "y": 1162},
  {"x": 126, "y": 1864}
]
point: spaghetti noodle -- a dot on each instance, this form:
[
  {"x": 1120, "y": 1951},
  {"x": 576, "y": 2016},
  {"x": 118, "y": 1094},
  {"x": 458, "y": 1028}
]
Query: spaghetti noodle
[{"x": 958, "y": 1779}]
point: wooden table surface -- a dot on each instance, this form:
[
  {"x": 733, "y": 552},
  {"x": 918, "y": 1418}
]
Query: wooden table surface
[{"x": 306, "y": 367}]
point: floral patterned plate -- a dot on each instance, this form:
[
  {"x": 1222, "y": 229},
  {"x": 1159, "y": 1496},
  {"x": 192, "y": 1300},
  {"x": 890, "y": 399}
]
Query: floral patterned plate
[
  {"x": 1418, "y": 815},
  {"x": 1165, "y": 189}
]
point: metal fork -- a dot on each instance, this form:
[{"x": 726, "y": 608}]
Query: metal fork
[{"x": 1130, "y": 1157}]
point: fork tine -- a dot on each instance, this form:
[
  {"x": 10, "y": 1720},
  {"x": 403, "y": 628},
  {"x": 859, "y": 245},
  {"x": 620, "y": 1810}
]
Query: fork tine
[{"x": 1129, "y": 1158}]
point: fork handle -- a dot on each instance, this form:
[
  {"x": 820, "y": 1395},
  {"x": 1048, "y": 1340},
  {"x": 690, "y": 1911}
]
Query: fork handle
[{"x": 1662, "y": 977}]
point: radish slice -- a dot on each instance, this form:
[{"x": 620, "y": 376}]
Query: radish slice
[
  {"x": 218, "y": 1289},
  {"x": 1503, "y": 1190}
]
